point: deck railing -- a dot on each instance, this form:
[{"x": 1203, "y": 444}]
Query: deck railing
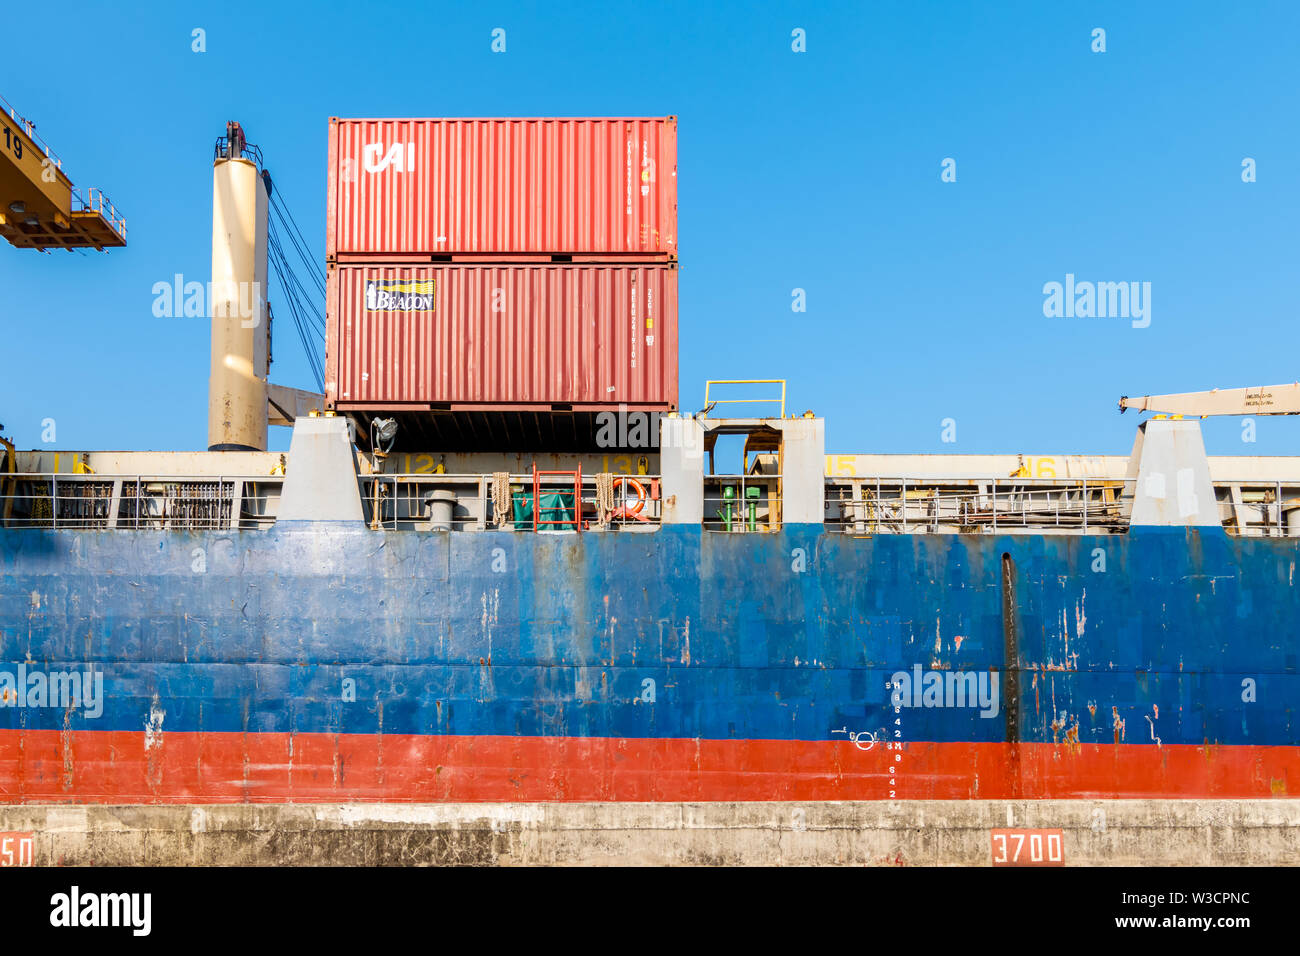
[
  {"x": 463, "y": 502},
  {"x": 732, "y": 503},
  {"x": 910, "y": 506},
  {"x": 921, "y": 505},
  {"x": 137, "y": 502}
]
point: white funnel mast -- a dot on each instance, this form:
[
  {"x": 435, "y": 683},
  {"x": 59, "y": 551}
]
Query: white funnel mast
[{"x": 237, "y": 389}]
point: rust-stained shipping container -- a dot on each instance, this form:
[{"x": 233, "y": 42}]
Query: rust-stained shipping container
[
  {"x": 502, "y": 338},
  {"x": 500, "y": 188}
]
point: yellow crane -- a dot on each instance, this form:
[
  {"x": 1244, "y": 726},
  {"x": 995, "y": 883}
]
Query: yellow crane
[{"x": 39, "y": 206}]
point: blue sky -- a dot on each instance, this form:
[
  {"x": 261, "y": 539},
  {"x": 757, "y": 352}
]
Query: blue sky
[{"x": 817, "y": 170}]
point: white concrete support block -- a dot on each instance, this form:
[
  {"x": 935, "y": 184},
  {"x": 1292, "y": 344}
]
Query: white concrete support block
[
  {"x": 1172, "y": 476},
  {"x": 320, "y": 482}
]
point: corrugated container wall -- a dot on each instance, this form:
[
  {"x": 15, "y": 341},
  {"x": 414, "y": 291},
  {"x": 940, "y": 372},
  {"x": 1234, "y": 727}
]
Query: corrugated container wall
[
  {"x": 523, "y": 337},
  {"x": 502, "y": 187}
]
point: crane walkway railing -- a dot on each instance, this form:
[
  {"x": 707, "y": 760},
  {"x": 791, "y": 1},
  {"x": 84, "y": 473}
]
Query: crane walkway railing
[
  {"x": 97, "y": 202},
  {"x": 29, "y": 129},
  {"x": 913, "y": 505}
]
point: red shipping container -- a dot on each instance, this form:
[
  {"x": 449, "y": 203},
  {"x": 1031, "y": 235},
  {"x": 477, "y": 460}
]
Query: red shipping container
[
  {"x": 502, "y": 337},
  {"x": 502, "y": 187}
]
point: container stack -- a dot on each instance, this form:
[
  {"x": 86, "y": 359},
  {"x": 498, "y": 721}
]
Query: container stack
[{"x": 496, "y": 283}]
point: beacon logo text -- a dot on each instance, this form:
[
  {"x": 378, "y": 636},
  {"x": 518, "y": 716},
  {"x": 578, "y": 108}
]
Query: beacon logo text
[{"x": 391, "y": 295}]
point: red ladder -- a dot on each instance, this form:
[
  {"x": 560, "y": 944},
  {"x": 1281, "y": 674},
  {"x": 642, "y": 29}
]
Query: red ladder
[{"x": 537, "y": 497}]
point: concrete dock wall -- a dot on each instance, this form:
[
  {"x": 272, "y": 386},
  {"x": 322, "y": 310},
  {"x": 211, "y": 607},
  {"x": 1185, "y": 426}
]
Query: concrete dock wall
[{"x": 925, "y": 833}]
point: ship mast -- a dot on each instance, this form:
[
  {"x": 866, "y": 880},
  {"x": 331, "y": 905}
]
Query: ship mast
[{"x": 241, "y": 402}]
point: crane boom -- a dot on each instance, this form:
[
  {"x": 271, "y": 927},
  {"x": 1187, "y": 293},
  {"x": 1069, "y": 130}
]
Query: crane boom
[
  {"x": 39, "y": 208},
  {"x": 1264, "y": 400}
]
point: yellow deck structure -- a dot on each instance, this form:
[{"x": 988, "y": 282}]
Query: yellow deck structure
[{"x": 39, "y": 206}]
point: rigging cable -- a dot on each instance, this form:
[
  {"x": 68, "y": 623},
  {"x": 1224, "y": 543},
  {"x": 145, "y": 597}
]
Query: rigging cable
[
  {"x": 306, "y": 297},
  {"x": 294, "y": 235},
  {"x": 302, "y": 302},
  {"x": 298, "y": 301}
]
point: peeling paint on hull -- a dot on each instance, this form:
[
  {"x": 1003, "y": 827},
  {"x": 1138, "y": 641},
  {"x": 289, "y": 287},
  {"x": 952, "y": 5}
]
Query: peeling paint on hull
[
  {"x": 215, "y": 768},
  {"x": 470, "y": 684}
]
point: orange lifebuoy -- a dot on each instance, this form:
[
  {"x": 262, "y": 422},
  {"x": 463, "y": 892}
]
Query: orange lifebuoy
[{"x": 623, "y": 511}]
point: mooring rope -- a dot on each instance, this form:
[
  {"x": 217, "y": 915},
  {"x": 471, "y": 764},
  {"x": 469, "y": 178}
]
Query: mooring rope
[
  {"x": 604, "y": 497},
  {"x": 500, "y": 497}
]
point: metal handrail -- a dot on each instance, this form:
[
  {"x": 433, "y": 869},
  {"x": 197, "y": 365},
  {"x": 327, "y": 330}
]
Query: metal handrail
[
  {"x": 147, "y": 477},
  {"x": 29, "y": 128},
  {"x": 745, "y": 401},
  {"x": 942, "y": 480},
  {"x": 652, "y": 513},
  {"x": 121, "y": 489},
  {"x": 888, "y": 503},
  {"x": 220, "y": 149},
  {"x": 885, "y": 502},
  {"x": 100, "y": 203}
]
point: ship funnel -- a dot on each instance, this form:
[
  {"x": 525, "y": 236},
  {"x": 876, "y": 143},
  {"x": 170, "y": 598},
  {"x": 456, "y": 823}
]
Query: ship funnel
[{"x": 237, "y": 389}]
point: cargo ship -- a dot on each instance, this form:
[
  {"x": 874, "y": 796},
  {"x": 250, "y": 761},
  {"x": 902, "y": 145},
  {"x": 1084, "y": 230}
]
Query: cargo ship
[{"x": 497, "y": 567}]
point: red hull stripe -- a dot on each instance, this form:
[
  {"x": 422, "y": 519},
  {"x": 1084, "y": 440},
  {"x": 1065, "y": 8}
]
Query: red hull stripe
[{"x": 42, "y": 766}]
